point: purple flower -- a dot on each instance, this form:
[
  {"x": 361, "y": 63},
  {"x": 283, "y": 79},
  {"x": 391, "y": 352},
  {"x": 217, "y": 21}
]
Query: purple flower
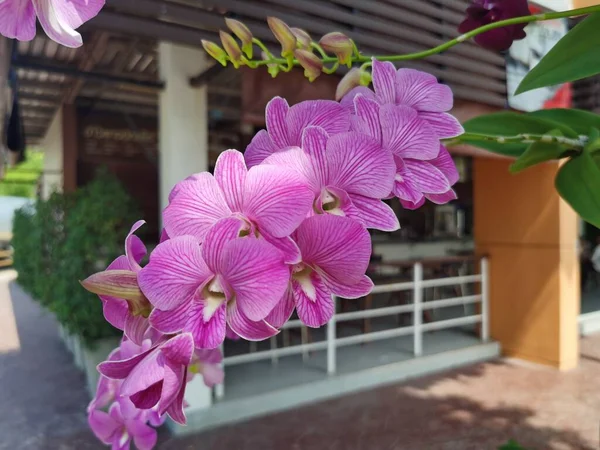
[
  {"x": 207, "y": 362},
  {"x": 122, "y": 424},
  {"x": 117, "y": 311},
  {"x": 335, "y": 257},
  {"x": 409, "y": 87},
  {"x": 269, "y": 202},
  {"x": 348, "y": 174},
  {"x": 424, "y": 169},
  {"x": 285, "y": 125},
  {"x": 484, "y": 12},
  {"x": 155, "y": 378},
  {"x": 227, "y": 280},
  {"x": 59, "y": 18}
]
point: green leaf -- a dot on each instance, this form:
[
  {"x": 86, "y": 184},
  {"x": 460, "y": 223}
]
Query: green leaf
[
  {"x": 578, "y": 183},
  {"x": 508, "y": 123},
  {"x": 579, "y": 120},
  {"x": 538, "y": 152},
  {"x": 574, "y": 57}
]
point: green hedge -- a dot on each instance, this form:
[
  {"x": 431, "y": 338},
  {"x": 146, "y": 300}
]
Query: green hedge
[{"x": 66, "y": 238}]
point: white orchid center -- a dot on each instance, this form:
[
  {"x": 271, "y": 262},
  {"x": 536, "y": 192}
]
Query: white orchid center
[
  {"x": 301, "y": 274},
  {"x": 330, "y": 203},
  {"x": 214, "y": 296}
]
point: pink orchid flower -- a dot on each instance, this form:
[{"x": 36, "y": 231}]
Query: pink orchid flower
[
  {"x": 227, "y": 280},
  {"x": 348, "y": 174},
  {"x": 285, "y": 125},
  {"x": 269, "y": 202},
  {"x": 207, "y": 362},
  {"x": 59, "y": 18},
  {"x": 155, "y": 378},
  {"x": 415, "y": 89},
  {"x": 122, "y": 424},
  {"x": 116, "y": 310},
  {"x": 424, "y": 168},
  {"x": 335, "y": 257}
]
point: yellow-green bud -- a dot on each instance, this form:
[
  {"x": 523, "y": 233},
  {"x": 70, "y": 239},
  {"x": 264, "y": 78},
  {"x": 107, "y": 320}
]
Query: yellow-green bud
[
  {"x": 243, "y": 33},
  {"x": 347, "y": 83},
  {"x": 312, "y": 64},
  {"x": 303, "y": 39},
  {"x": 340, "y": 45},
  {"x": 232, "y": 48},
  {"x": 215, "y": 51},
  {"x": 284, "y": 35}
]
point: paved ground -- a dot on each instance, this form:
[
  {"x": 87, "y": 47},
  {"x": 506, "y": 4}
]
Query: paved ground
[{"x": 43, "y": 399}]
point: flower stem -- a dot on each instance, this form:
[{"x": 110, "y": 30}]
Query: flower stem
[
  {"x": 359, "y": 58},
  {"x": 525, "y": 138}
]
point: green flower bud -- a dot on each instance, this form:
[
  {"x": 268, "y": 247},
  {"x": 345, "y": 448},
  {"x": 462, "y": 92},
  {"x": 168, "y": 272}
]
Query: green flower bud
[
  {"x": 243, "y": 33},
  {"x": 312, "y": 64},
  {"x": 215, "y": 51},
  {"x": 284, "y": 35}
]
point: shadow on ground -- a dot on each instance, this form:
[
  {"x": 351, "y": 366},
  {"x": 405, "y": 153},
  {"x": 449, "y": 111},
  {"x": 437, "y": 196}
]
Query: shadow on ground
[{"x": 43, "y": 400}]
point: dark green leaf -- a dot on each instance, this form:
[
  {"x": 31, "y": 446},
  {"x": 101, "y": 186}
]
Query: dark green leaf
[
  {"x": 579, "y": 120},
  {"x": 510, "y": 124},
  {"x": 538, "y": 152},
  {"x": 574, "y": 57},
  {"x": 593, "y": 144},
  {"x": 578, "y": 182}
]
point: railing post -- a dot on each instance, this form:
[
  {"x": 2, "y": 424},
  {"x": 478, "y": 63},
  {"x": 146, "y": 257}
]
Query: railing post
[
  {"x": 331, "y": 357},
  {"x": 485, "y": 300},
  {"x": 220, "y": 388},
  {"x": 418, "y": 312}
]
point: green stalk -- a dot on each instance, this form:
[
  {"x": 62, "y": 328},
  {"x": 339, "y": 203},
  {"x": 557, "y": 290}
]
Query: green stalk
[{"x": 525, "y": 138}]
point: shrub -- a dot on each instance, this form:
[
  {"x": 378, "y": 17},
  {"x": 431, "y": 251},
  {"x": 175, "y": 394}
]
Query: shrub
[{"x": 67, "y": 237}]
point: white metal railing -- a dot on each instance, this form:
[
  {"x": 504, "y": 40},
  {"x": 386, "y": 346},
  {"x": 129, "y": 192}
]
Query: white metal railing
[{"x": 417, "y": 307}]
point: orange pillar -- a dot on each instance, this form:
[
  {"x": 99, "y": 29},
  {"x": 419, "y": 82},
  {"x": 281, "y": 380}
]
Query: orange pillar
[{"x": 530, "y": 234}]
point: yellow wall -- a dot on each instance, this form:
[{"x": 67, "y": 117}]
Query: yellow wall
[{"x": 530, "y": 235}]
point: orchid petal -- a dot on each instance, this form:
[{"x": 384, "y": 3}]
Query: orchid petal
[
  {"x": 367, "y": 110},
  {"x": 347, "y": 101},
  {"x": 177, "y": 187},
  {"x": 219, "y": 235},
  {"x": 427, "y": 177},
  {"x": 314, "y": 304},
  {"x": 259, "y": 149},
  {"x": 384, "y": 81},
  {"x": 51, "y": 15},
  {"x": 118, "y": 370},
  {"x": 445, "y": 125},
  {"x": 297, "y": 160},
  {"x": 287, "y": 247},
  {"x": 148, "y": 372},
  {"x": 17, "y": 19},
  {"x": 246, "y": 328},
  {"x": 198, "y": 205},
  {"x": 375, "y": 214},
  {"x": 276, "y": 199},
  {"x": 175, "y": 409},
  {"x": 361, "y": 166},
  {"x": 164, "y": 236},
  {"x": 406, "y": 135},
  {"x": 209, "y": 355},
  {"x": 422, "y": 91},
  {"x": 326, "y": 114},
  {"x": 174, "y": 377},
  {"x": 135, "y": 328},
  {"x": 175, "y": 271},
  {"x": 405, "y": 187},
  {"x": 314, "y": 144},
  {"x": 349, "y": 291},
  {"x": 144, "y": 437},
  {"x": 255, "y": 271},
  {"x": 275, "y": 116},
  {"x": 338, "y": 246},
  {"x": 212, "y": 374},
  {"x": 446, "y": 165},
  {"x": 103, "y": 426},
  {"x": 172, "y": 321},
  {"x": 230, "y": 173},
  {"x": 179, "y": 349},
  {"x": 135, "y": 249},
  {"x": 206, "y": 324},
  {"x": 147, "y": 398},
  {"x": 441, "y": 199},
  {"x": 282, "y": 311}
]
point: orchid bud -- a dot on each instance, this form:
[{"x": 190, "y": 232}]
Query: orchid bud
[
  {"x": 313, "y": 66},
  {"x": 215, "y": 51},
  {"x": 340, "y": 45},
  {"x": 365, "y": 78},
  {"x": 273, "y": 68},
  {"x": 121, "y": 284},
  {"x": 347, "y": 83},
  {"x": 284, "y": 35},
  {"x": 243, "y": 33},
  {"x": 232, "y": 48},
  {"x": 303, "y": 39}
]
